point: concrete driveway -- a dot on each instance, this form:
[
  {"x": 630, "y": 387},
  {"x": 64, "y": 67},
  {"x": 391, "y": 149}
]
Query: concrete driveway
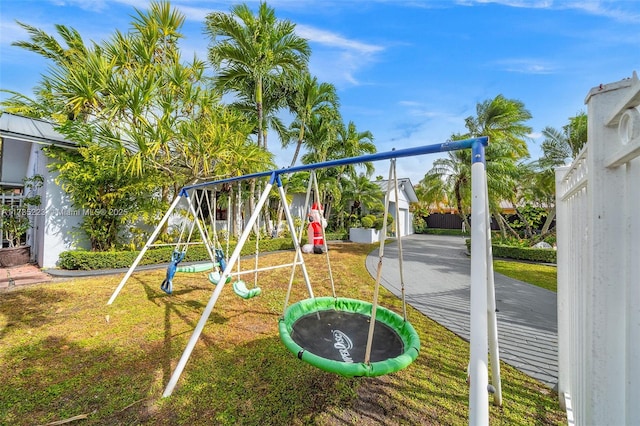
[{"x": 436, "y": 278}]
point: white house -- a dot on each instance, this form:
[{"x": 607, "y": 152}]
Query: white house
[
  {"x": 406, "y": 195},
  {"x": 22, "y": 156}
]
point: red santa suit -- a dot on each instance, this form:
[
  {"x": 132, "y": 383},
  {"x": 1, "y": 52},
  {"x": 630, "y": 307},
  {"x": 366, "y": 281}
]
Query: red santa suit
[
  {"x": 314, "y": 230},
  {"x": 315, "y": 234}
]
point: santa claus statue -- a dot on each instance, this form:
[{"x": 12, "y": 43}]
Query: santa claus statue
[{"x": 315, "y": 231}]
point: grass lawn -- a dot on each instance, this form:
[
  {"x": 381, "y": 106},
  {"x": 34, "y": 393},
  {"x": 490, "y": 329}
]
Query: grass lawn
[
  {"x": 65, "y": 353},
  {"x": 545, "y": 276}
]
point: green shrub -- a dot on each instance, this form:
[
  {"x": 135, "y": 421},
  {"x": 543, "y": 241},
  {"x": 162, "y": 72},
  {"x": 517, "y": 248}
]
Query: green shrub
[
  {"x": 525, "y": 253},
  {"x": 377, "y": 224},
  {"x": 419, "y": 225},
  {"x": 337, "y": 236},
  {"x": 367, "y": 222},
  {"x": 442, "y": 231},
  {"x": 521, "y": 253},
  {"x": 90, "y": 260}
]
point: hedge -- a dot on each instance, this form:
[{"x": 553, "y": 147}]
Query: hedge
[
  {"x": 443, "y": 231},
  {"x": 521, "y": 253},
  {"x": 337, "y": 236},
  {"x": 90, "y": 260}
]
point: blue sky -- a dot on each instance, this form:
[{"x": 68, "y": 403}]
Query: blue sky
[{"x": 409, "y": 71}]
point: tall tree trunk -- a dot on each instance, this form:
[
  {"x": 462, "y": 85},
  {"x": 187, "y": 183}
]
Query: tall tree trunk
[
  {"x": 264, "y": 138},
  {"x": 458, "y": 195},
  {"x": 328, "y": 202},
  {"x": 238, "y": 216},
  {"x": 528, "y": 231},
  {"x": 547, "y": 223},
  {"x": 261, "y": 143},
  {"x": 504, "y": 226},
  {"x": 252, "y": 196},
  {"x": 280, "y": 212},
  {"x": 298, "y": 145}
]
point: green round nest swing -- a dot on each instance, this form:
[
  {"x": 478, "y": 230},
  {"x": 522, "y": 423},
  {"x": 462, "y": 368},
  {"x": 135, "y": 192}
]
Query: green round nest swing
[{"x": 332, "y": 333}]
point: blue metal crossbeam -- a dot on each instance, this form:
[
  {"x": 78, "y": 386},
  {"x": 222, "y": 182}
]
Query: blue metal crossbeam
[{"x": 400, "y": 153}]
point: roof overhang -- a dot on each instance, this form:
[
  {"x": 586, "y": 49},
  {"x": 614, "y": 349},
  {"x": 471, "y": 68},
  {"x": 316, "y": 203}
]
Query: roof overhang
[
  {"x": 404, "y": 184},
  {"x": 27, "y": 129}
]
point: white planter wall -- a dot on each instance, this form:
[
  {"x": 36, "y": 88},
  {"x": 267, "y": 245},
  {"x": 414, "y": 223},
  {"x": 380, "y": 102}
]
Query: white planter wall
[{"x": 364, "y": 235}]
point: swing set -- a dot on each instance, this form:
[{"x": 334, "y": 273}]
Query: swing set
[{"x": 347, "y": 336}]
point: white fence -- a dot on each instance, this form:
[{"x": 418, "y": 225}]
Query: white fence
[{"x": 598, "y": 205}]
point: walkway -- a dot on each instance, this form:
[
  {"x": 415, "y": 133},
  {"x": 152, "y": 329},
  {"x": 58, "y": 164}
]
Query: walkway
[
  {"x": 437, "y": 276},
  {"x": 16, "y": 276}
]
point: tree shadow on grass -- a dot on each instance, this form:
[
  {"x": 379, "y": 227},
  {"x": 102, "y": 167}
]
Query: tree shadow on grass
[
  {"x": 257, "y": 383},
  {"x": 55, "y": 378},
  {"x": 29, "y": 308},
  {"x": 239, "y": 373}
]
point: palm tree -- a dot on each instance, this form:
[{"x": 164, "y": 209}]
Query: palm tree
[
  {"x": 328, "y": 139},
  {"x": 320, "y": 136},
  {"x": 353, "y": 143},
  {"x": 133, "y": 92},
  {"x": 244, "y": 157},
  {"x": 557, "y": 147},
  {"x": 48, "y": 46},
  {"x": 502, "y": 120},
  {"x": 51, "y": 102},
  {"x": 42, "y": 105},
  {"x": 250, "y": 50},
  {"x": 450, "y": 178},
  {"x": 362, "y": 193},
  {"x": 309, "y": 99},
  {"x": 274, "y": 97}
]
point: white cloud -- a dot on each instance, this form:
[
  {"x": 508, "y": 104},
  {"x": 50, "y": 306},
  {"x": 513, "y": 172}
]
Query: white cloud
[
  {"x": 534, "y": 135},
  {"x": 328, "y": 38},
  {"x": 532, "y": 4},
  {"x": 10, "y": 32},
  {"x": 337, "y": 58},
  {"x": 420, "y": 110},
  {"x": 196, "y": 14},
  {"x": 619, "y": 11},
  {"x": 606, "y": 9},
  {"x": 526, "y": 66},
  {"x": 91, "y": 5},
  {"x": 409, "y": 103}
]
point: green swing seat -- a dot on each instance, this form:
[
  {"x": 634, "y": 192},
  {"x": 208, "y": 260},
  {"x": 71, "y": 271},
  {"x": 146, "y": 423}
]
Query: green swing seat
[
  {"x": 214, "y": 277},
  {"x": 240, "y": 288},
  {"x": 197, "y": 267}
]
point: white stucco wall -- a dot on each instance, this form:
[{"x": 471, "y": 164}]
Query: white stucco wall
[
  {"x": 57, "y": 226},
  {"x": 406, "y": 218}
]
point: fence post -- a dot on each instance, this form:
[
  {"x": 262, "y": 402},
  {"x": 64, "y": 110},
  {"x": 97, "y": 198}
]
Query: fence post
[
  {"x": 605, "y": 403},
  {"x": 562, "y": 242}
]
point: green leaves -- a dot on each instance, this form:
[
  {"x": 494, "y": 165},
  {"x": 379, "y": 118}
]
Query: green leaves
[
  {"x": 105, "y": 196},
  {"x": 249, "y": 52}
]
